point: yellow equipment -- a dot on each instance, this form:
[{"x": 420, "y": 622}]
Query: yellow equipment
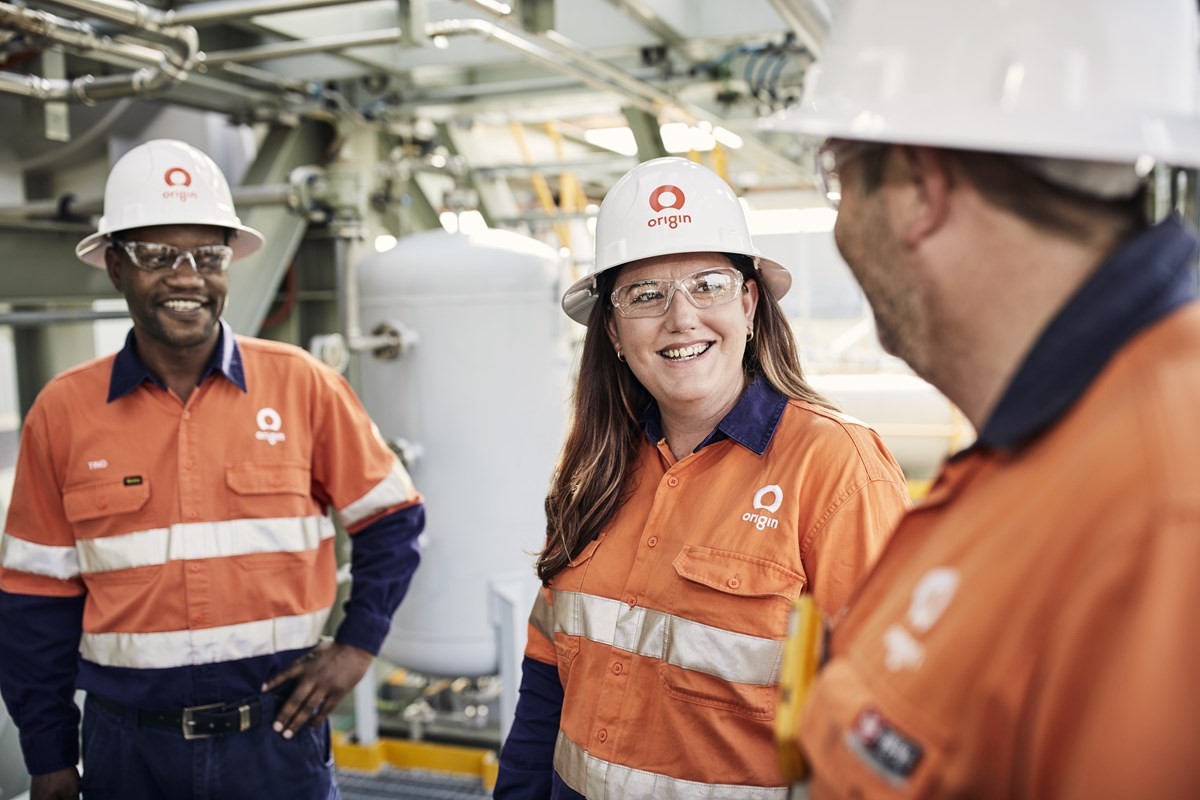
[{"x": 801, "y": 658}]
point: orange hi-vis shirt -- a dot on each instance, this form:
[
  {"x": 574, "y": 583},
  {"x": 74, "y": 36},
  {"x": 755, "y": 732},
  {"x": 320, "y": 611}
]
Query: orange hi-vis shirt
[
  {"x": 1029, "y": 631},
  {"x": 198, "y": 532},
  {"x": 667, "y": 630}
]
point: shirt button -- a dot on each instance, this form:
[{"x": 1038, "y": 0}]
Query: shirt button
[
  {"x": 617, "y": 668},
  {"x": 193, "y": 567},
  {"x": 735, "y": 582},
  {"x": 652, "y": 541},
  {"x": 602, "y": 735},
  {"x": 190, "y": 464},
  {"x": 101, "y": 502},
  {"x": 631, "y": 601},
  {"x": 193, "y": 515},
  {"x": 187, "y": 415},
  {"x": 672, "y": 481}
]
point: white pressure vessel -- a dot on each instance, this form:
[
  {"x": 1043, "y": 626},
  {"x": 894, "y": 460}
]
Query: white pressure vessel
[{"x": 481, "y": 398}]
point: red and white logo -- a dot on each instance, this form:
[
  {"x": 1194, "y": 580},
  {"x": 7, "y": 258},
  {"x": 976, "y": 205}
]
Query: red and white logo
[
  {"x": 177, "y": 176},
  {"x": 674, "y": 198},
  {"x": 178, "y": 180},
  {"x": 667, "y": 197}
]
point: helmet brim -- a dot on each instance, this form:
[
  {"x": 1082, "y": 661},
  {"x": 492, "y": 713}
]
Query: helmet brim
[{"x": 90, "y": 249}]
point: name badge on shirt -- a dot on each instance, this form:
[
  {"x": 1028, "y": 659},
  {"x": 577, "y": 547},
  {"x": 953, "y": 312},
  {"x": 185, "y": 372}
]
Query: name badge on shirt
[{"x": 890, "y": 753}]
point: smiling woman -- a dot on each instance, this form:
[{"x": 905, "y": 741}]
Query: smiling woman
[{"x": 702, "y": 487}]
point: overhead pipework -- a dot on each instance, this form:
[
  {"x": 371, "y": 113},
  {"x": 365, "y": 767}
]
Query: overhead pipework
[{"x": 170, "y": 60}]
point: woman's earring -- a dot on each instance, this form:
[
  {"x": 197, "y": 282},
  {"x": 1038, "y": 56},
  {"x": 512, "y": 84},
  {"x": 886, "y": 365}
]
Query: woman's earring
[
  {"x": 620, "y": 356},
  {"x": 749, "y": 334}
]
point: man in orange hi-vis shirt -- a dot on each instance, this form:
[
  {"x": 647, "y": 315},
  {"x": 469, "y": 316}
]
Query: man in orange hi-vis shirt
[
  {"x": 169, "y": 548},
  {"x": 1029, "y": 630}
]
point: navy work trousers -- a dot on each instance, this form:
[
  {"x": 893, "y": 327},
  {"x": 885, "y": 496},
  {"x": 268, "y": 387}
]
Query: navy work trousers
[{"x": 125, "y": 761}]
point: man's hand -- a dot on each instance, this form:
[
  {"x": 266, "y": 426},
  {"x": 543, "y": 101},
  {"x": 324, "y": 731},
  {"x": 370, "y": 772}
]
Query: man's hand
[
  {"x": 60, "y": 785},
  {"x": 324, "y": 677}
]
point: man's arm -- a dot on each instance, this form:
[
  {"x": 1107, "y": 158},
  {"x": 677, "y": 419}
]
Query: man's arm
[
  {"x": 39, "y": 659},
  {"x": 383, "y": 557},
  {"x": 60, "y": 785},
  {"x": 41, "y": 608}
]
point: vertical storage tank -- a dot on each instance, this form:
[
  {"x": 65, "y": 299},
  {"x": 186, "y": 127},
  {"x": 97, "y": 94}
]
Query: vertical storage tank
[{"x": 483, "y": 395}]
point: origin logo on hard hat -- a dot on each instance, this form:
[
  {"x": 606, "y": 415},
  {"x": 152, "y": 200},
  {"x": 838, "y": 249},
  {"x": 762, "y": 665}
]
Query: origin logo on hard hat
[
  {"x": 134, "y": 197},
  {"x": 675, "y": 202},
  {"x": 177, "y": 177}
]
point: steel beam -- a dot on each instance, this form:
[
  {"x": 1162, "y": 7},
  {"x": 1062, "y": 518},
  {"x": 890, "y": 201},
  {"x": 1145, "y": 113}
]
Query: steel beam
[
  {"x": 645, "y": 132},
  {"x": 39, "y": 265},
  {"x": 254, "y": 282}
]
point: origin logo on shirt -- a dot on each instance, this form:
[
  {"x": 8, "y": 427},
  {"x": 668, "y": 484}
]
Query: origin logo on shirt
[
  {"x": 769, "y": 498},
  {"x": 269, "y": 423}
]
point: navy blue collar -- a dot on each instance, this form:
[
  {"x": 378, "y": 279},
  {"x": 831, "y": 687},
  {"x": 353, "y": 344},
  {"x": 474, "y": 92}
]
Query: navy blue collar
[
  {"x": 129, "y": 371},
  {"x": 751, "y": 422},
  {"x": 1146, "y": 278}
]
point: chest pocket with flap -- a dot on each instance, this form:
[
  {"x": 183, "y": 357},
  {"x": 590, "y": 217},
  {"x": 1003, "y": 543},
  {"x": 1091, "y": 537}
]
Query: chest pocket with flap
[
  {"x": 743, "y": 596},
  {"x": 259, "y": 490},
  {"x": 104, "y": 508}
]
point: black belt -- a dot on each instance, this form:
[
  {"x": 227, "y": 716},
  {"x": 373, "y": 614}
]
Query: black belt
[{"x": 204, "y": 722}]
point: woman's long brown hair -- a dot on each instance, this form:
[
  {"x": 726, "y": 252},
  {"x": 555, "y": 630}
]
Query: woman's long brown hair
[{"x": 594, "y": 471}]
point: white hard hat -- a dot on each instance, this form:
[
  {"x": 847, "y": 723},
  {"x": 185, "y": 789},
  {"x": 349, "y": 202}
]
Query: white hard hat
[
  {"x": 666, "y": 206},
  {"x": 165, "y": 182},
  {"x": 1098, "y": 80}
]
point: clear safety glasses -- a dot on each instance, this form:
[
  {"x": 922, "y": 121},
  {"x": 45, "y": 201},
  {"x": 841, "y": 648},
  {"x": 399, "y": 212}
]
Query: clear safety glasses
[
  {"x": 834, "y": 155},
  {"x": 652, "y": 297},
  {"x": 210, "y": 259}
]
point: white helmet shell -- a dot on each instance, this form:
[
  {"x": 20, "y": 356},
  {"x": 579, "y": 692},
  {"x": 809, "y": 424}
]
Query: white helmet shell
[
  {"x": 166, "y": 182},
  {"x": 666, "y": 206},
  {"x": 1097, "y": 80}
]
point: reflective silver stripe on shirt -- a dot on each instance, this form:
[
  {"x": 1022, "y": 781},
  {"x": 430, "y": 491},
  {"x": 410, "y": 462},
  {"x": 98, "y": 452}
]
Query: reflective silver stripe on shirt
[
  {"x": 205, "y": 645},
  {"x": 602, "y": 780},
  {"x": 193, "y": 540},
  {"x": 735, "y": 657},
  {"x": 38, "y": 559},
  {"x": 394, "y": 489}
]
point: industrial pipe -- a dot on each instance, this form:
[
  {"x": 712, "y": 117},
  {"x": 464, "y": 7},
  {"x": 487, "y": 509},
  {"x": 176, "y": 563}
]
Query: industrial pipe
[
  {"x": 492, "y": 7},
  {"x": 39, "y": 319},
  {"x": 167, "y": 66},
  {"x": 303, "y": 47},
  {"x": 274, "y": 194},
  {"x": 559, "y": 53},
  {"x": 222, "y": 11}
]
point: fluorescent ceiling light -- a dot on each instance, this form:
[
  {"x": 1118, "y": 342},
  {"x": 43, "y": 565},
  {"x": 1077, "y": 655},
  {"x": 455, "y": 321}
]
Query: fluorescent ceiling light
[
  {"x": 679, "y": 137},
  {"x": 619, "y": 140},
  {"x": 727, "y": 138},
  {"x": 790, "y": 220},
  {"x": 466, "y": 222}
]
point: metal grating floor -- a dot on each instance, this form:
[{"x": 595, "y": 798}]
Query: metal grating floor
[{"x": 408, "y": 784}]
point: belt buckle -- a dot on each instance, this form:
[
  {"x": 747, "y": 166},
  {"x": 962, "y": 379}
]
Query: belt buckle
[{"x": 188, "y": 723}]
